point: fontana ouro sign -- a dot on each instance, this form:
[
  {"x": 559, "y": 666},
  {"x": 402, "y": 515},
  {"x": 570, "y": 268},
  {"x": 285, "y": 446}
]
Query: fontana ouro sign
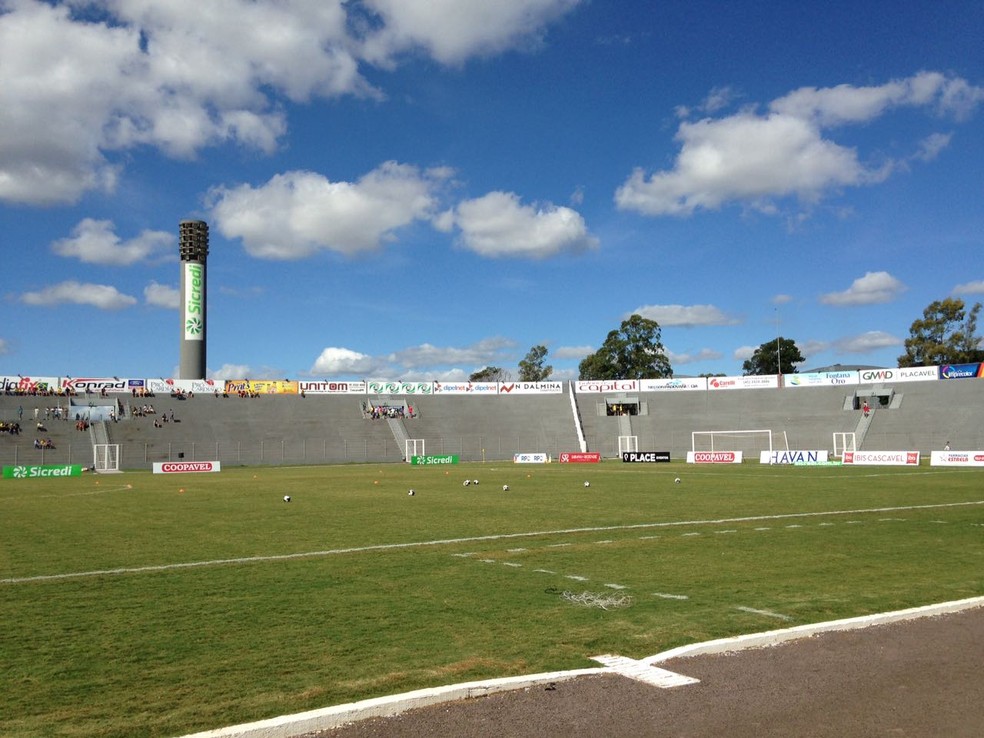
[{"x": 186, "y": 467}]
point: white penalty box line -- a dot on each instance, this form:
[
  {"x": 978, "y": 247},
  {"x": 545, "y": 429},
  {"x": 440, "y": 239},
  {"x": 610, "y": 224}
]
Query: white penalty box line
[{"x": 468, "y": 539}]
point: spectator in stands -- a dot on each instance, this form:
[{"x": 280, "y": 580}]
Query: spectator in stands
[{"x": 866, "y": 409}]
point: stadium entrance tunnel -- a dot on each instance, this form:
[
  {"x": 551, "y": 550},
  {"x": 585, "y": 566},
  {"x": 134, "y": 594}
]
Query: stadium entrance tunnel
[{"x": 876, "y": 397}]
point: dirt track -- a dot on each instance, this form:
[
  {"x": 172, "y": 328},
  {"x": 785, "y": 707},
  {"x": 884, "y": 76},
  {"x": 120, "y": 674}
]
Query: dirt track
[{"x": 921, "y": 678}]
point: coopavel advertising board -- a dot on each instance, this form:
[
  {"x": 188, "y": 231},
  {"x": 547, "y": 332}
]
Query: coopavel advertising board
[
  {"x": 186, "y": 467},
  {"x": 714, "y": 457}
]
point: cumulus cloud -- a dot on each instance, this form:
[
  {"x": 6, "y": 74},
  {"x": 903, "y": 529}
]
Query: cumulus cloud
[
  {"x": 71, "y": 292},
  {"x": 975, "y": 287},
  {"x": 488, "y": 351},
  {"x": 297, "y": 214},
  {"x": 705, "y": 354},
  {"x": 867, "y": 342},
  {"x": 81, "y": 82},
  {"x": 162, "y": 296},
  {"x": 756, "y": 158},
  {"x": 451, "y": 31},
  {"x": 873, "y": 288},
  {"x": 335, "y": 361},
  {"x": 95, "y": 242},
  {"x": 572, "y": 352},
  {"x": 498, "y": 224},
  {"x": 4, "y": 347},
  {"x": 686, "y": 316}
]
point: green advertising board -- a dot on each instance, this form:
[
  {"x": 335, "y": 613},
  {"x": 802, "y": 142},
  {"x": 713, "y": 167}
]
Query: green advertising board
[
  {"x": 428, "y": 460},
  {"x": 45, "y": 471}
]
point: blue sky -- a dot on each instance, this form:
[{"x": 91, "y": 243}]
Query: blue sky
[{"x": 420, "y": 188}]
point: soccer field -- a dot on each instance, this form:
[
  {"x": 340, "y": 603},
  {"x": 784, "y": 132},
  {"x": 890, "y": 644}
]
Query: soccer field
[{"x": 139, "y": 604}]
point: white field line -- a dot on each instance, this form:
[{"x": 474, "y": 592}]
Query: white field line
[
  {"x": 766, "y": 613},
  {"x": 468, "y": 539}
]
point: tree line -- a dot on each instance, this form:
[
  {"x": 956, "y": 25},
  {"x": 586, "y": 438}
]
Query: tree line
[{"x": 945, "y": 334}]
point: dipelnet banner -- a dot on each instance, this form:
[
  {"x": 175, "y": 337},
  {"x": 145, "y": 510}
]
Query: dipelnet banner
[
  {"x": 881, "y": 458},
  {"x": 466, "y": 388},
  {"x": 45, "y": 471},
  {"x": 196, "y": 386},
  {"x": 956, "y": 458}
]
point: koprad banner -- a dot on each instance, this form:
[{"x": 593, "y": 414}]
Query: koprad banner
[
  {"x": 882, "y": 458},
  {"x": 428, "y": 460},
  {"x": 714, "y": 457},
  {"x": 580, "y": 457},
  {"x": 42, "y": 472},
  {"x": 186, "y": 467}
]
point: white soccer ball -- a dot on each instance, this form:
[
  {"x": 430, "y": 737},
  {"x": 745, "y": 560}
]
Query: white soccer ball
[
  {"x": 286, "y": 498},
  {"x": 587, "y": 483},
  {"x": 676, "y": 481},
  {"x": 505, "y": 488},
  {"x": 411, "y": 493},
  {"x": 474, "y": 481},
  {"x": 466, "y": 483}
]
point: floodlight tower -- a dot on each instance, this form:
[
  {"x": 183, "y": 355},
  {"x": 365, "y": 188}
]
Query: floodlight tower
[{"x": 193, "y": 248}]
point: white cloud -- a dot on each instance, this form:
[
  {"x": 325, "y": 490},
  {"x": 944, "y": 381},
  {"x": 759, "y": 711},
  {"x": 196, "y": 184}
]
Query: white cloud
[
  {"x": 242, "y": 371},
  {"x": 488, "y": 351},
  {"x": 782, "y": 299},
  {"x": 162, "y": 296},
  {"x": 334, "y": 361},
  {"x": 976, "y": 287},
  {"x": 686, "y": 316},
  {"x": 101, "y": 296},
  {"x": 705, "y": 354},
  {"x": 866, "y": 342},
  {"x": 754, "y": 158},
  {"x": 742, "y": 353},
  {"x": 94, "y": 242},
  {"x": 77, "y": 87},
  {"x": 872, "y": 288},
  {"x": 4, "y": 347},
  {"x": 497, "y": 224},
  {"x": 451, "y": 31},
  {"x": 573, "y": 352},
  {"x": 931, "y": 146},
  {"x": 297, "y": 214}
]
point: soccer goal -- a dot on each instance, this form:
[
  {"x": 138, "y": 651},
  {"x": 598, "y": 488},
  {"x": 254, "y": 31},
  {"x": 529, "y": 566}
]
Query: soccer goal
[
  {"x": 751, "y": 442},
  {"x": 627, "y": 443},
  {"x": 413, "y": 447},
  {"x": 106, "y": 457},
  {"x": 843, "y": 442}
]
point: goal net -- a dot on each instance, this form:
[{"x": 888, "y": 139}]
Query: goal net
[
  {"x": 106, "y": 457},
  {"x": 843, "y": 442},
  {"x": 751, "y": 442},
  {"x": 413, "y": 447},
  {"x": 627, "y": 443}
]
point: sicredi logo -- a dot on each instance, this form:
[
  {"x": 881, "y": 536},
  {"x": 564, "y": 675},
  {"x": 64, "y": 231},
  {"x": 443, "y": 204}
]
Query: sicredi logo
[{"x": 42, "y": 472}]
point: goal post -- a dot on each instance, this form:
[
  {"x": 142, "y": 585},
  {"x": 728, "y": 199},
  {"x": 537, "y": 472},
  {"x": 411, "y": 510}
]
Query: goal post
[
  {"x": 843, "y": 442},
  {"x": 627, "y": 443},
  {"x": 413, "y": 447},
  {"x": 106, "y": 457},
  {"x": 751, "y": 442}
]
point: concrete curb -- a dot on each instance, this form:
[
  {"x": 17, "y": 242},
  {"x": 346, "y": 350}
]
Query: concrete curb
[{"x": 287, "y": 726}]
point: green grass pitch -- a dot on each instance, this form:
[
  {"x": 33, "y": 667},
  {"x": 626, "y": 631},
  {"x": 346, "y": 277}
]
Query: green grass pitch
[{"x": 158, "y": 605}]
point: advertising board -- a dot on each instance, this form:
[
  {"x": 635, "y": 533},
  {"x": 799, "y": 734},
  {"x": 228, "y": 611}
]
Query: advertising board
[
  {"x": 882, "y": 458},
  {"x": 956, "y": 458},
  {"x": 645, "y": 457},
  {"x": 535, "y": 458},
  {"x": 187, "y": 467},
  {"x": 579, "y": 457},
  {"x": 714, "y": 457},
  {"x": 793, "y": 457},
  {"x": 42, "y": 471}
]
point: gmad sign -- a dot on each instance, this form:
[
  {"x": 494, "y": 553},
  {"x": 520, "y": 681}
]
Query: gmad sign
[{"x": 42, "y": 472}]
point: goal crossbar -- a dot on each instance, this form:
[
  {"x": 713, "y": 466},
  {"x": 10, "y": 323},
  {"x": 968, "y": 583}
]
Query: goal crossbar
[{"x": 749, "y": 441}]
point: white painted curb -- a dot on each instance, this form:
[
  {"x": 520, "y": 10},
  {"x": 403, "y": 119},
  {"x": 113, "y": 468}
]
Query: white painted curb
[{"x": 326, "y": 718}]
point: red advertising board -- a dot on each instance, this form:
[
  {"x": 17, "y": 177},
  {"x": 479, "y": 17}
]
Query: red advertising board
[{"x": 579, "y": 457}]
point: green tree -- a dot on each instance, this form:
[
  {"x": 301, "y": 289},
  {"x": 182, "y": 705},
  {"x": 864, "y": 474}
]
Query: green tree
[
  {"x": 490, "y": 374},
  {"x": 946, "y": 334},
  {"x": 634, "y": 351},
  {"x": 531, "y": 368},
  {"x": 778, "y": 356}
]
